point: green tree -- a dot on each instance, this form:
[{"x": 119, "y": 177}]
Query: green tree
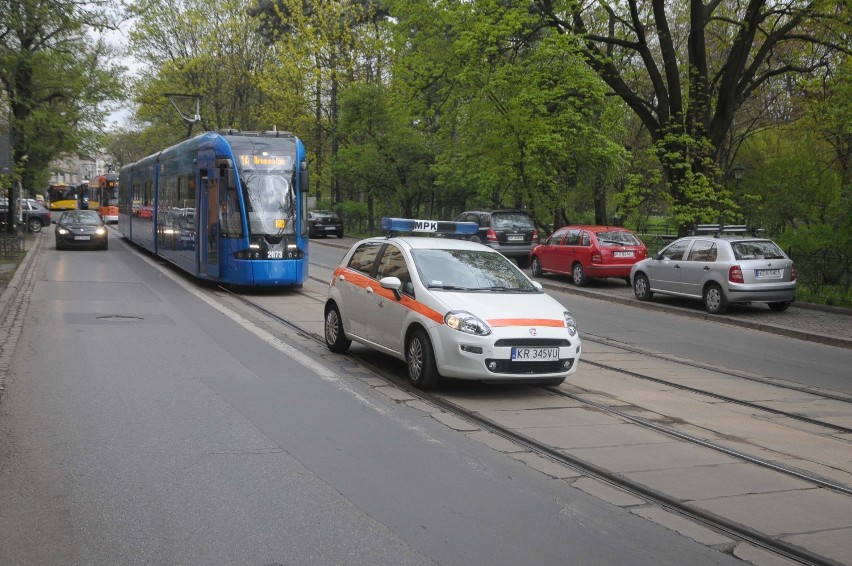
[
  {"x": 57, "y": 78},
  {"x": 519, "y": 118},
  {"x": 661, "y": 58},
  {"x": 202, "y": 48},
  {"x": 323, "y": 46}
]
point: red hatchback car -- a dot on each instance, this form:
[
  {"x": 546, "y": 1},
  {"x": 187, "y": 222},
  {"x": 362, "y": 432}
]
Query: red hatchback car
[{"x": 584, "y": 252}]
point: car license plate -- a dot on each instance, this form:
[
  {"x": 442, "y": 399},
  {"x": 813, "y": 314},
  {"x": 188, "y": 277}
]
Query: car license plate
[
  {"x": 534, "y": 354},
  {"x": 622, "y": 254},
  {"x": 330, "y": 228},
  {"x": 82, "y": 237},
  {"x": 515, "y": 237},
  {"x": 768, "y": 274}
]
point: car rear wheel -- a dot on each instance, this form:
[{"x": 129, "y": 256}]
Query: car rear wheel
[
  {"x": 714, "y": 299},
  {"x": 34, "y": 225},
  {"x": 335, "y": 338},
  {"x": 578, "y": 275},
  {"x": 536, "y": 267},
  {"x": 642, "y": 288},
  {"x": 780, "y": 307},
  {"x": 422, "y": 368}
]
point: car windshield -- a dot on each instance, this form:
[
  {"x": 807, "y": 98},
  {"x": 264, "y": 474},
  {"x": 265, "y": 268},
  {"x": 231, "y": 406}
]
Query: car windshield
[
  {"x": 757, "y": 249},
  {"x": 469, "y": 270},
  {"x": 85, "y": 218},
  {"x": 618, "y": 238}
]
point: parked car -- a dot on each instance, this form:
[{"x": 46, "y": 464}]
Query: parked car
[
  {"x": 449, "y": 308},
  {"x": 35, "y": 215},
  {"x": 585, "y": 252},
  {"x": 81, "y": 228},
  {"x": 321, "y": 223},
  {"x": 720, "y": 271},
  {"x": 510, "y": 232}
]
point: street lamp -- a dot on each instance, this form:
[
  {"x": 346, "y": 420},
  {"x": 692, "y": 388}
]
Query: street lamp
[{"x": 739, "y": 172}]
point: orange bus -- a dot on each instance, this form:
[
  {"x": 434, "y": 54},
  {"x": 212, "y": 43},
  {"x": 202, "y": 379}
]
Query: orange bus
[{"x": 107, "y": 198}]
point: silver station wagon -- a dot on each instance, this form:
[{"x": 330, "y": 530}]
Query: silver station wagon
[{"x": 719, "y": 270}]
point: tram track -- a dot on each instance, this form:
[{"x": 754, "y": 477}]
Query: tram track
[{"x": 654, "y": 496}]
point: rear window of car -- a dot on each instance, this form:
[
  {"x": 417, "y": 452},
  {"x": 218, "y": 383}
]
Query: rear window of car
[
  {"x": 757, "y": 249},
  {"x": 511, "y": 220},
  {"x": 618, "y": 238}
]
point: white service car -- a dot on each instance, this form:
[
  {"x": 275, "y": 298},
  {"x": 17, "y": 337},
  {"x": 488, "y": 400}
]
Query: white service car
[{"x": 450, "y": 308}]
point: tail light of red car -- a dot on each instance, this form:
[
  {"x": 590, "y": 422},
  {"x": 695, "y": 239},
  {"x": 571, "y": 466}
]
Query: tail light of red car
[
  {"x": 596, "y": 258},
  {"x": 735, "y": 274}
]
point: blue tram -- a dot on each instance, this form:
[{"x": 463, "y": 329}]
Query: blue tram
[{"x": 226, "y": 206}]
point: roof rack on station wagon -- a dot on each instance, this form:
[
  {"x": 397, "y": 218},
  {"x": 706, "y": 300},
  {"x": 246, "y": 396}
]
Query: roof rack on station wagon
[{"x": 729, "y": 229}]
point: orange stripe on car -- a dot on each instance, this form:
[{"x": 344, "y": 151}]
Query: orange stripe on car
[
  {"x": 526, "y": 322},
  {"x": 360, "y": 280}
]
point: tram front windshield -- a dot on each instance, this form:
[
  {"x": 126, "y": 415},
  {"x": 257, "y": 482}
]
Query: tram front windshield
[{"x": 271, "y": 202}]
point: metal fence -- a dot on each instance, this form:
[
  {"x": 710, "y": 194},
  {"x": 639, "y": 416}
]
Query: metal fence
[
  {"x": 11, "y": 245},
  {"x": 824, "y": 276}
]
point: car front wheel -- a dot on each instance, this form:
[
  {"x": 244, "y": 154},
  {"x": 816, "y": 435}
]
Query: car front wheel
[
  {"x": 422, "y": 368},
  {"x": 335, "y": 338},
  {"x": 642, "y": 288},
  {"x": 536, "y": 267},
  {"x": 714, "y": 299}
]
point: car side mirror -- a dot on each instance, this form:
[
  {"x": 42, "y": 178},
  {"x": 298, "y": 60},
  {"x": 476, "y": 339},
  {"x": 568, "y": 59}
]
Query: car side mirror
[
  {"x": 393, "y": 284},
  {"x": 537, "y": 285}
]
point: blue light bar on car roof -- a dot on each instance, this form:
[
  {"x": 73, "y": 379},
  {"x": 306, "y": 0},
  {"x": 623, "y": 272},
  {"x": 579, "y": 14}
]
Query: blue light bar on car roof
[{"x": 430, "y": 226}]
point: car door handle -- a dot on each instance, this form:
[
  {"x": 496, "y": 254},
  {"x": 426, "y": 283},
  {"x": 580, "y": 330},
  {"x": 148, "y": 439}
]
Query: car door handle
[
  {"x": 706, "y": 268},
  {"x": 369, "y": 290},
  {"x": 341, "y": 278}
]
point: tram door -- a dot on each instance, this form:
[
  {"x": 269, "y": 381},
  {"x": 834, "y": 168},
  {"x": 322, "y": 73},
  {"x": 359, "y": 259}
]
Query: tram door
[{"x": 208, "y": 218}]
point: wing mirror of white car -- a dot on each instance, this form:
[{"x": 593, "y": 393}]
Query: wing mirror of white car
[
  {"x": 538, "y": 285},
  {"x": 394, "y": 284}
]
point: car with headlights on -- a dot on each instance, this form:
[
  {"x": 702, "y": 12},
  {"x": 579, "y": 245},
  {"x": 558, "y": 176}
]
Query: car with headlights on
[
  {"x": 81, "y": 228},
  {"x": 586, "y": 252},
  {"x": 719, "y": 270},
  {"x": 448, "y": 308}
]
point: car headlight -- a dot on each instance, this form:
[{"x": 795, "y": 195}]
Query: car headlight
[
  {"x": 570, "y": 323},
  {"x": 466, "y": 322},
  {"x": 62, "y": 231},
  {"x": 100, "y": 231}
]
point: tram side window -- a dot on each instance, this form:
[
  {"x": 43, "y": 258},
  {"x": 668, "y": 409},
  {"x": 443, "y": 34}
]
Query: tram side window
[{"x": 230, "y": 218}]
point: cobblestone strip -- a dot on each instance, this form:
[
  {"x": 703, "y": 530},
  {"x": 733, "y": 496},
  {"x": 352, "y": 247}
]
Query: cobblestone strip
[{"x": 14, "y": 309}]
